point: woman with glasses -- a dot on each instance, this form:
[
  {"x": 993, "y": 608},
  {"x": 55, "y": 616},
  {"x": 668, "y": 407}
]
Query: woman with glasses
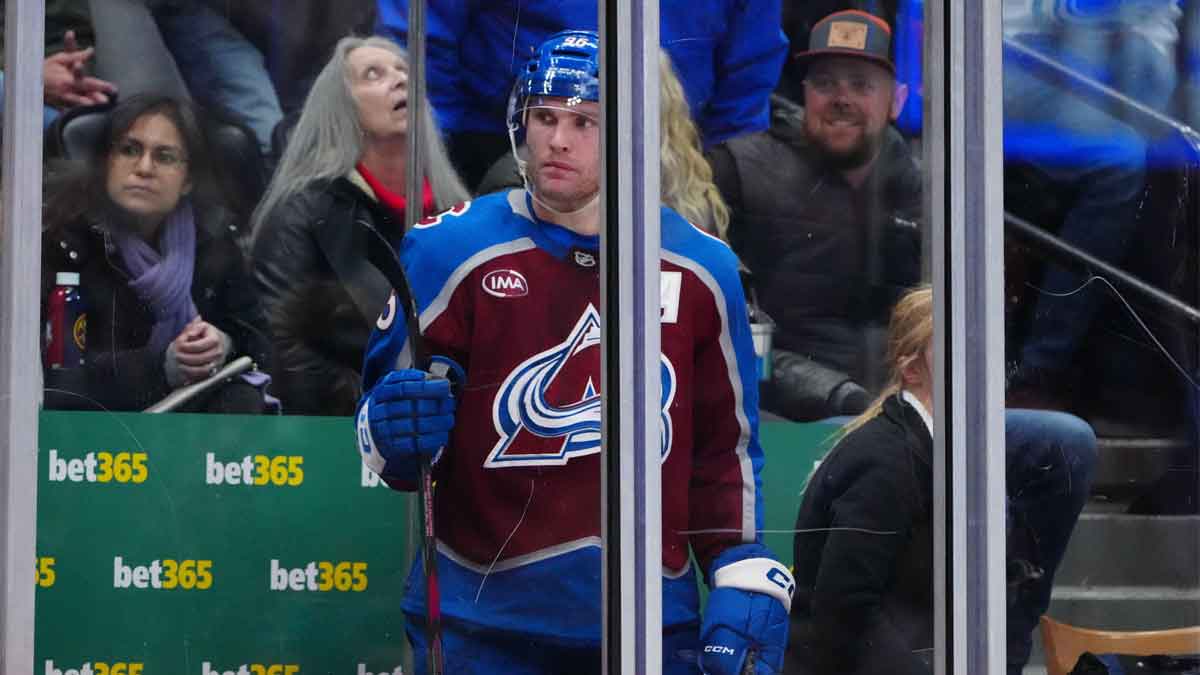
[
  {"x": 164, "y": 284},
  {"x": 339, "y": 190}
]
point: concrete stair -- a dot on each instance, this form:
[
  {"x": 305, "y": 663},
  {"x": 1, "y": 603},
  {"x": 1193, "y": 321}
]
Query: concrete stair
[
  {"x": 1124, "y": 572},
  {"x": 1128, "y": 572}
]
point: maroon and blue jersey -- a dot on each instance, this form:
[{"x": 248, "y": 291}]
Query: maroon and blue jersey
[{"x": 515, "y": 301}]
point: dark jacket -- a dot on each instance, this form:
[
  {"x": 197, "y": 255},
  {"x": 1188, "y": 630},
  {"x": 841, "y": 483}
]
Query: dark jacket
[
  {"x": 321, "y": 294},
  {"x": 827, "y": 260},
  {"x": 123, "y": 372},
  {"x": 864, "y": 596}
]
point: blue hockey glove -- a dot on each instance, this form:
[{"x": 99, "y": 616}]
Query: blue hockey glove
[
  {"x": 406, "y": 417},
  {"x": 747, "y": 613}
]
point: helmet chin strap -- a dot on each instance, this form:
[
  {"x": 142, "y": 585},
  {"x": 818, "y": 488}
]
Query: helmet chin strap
[{"x": 595, "y": 198}]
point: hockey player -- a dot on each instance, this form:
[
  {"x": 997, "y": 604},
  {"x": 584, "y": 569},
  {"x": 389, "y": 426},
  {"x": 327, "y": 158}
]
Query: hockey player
[{"x": 507, "y": 290}]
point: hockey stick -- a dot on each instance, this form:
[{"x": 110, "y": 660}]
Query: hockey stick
[{"x": 384, "y": 258}]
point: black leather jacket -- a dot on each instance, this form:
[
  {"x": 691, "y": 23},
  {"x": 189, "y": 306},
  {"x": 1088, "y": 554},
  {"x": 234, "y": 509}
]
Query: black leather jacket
[
  {"x": 864, "y": 589},
  {"x": 321, "y": 294},
  {"x": 828, "y": 261}
]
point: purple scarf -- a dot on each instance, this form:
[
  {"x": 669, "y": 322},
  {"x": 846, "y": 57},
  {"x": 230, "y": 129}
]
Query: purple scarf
[{"x": 163, "y": 280}]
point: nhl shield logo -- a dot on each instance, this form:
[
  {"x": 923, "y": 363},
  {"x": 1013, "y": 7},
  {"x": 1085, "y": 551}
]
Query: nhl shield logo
[
  {"x": 584, "y": 258},
  {"x": 547, "y": 411}
]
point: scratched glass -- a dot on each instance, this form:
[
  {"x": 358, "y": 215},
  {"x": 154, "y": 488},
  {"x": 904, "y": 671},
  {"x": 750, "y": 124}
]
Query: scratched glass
[{"x": 1101, "y": 216}]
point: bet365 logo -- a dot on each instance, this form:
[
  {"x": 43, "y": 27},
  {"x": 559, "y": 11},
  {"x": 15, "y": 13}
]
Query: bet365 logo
[
  {"x": 166, "y": 574},
  {"x": 321, "y": 576},
  {"x": 99, "y": 467},
  {"x": 256, "y": 470}
]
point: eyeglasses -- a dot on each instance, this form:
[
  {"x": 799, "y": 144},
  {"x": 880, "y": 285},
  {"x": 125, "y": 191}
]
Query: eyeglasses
[
  {"x": 164, "y": 157},
  {"x": 859, "y": 85}
]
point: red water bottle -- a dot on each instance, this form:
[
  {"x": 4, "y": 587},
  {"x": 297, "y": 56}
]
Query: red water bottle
[{"x": 66, "y": 323}]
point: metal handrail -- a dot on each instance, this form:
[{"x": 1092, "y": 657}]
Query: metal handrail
[{"x": 1063, "y": 252}]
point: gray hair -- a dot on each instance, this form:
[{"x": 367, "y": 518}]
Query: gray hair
[{"x": 328, "y": 139}]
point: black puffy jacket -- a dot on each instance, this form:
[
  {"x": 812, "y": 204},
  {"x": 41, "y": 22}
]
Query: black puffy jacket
[{"x": 827, "y": 260}]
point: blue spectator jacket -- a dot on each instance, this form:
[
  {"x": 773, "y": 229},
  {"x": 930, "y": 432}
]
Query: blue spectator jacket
[{"x": 728, "y": 54}]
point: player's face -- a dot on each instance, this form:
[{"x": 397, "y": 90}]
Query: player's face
[
  {"x": 848, "y": 103},
  {"x": 147, "y": 170},
  {"x": 379, "y": 84},
  {"x": 564, "y": 152}
]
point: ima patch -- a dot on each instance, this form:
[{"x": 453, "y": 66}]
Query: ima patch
[{"x": 505, "y": 284}]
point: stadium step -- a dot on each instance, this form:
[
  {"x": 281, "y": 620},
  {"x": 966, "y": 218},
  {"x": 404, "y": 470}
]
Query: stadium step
[
  {"x": 1126, "y": 572},
  {"x": 1114, "y": 549},
  {"x": 1127, "y": 464}
]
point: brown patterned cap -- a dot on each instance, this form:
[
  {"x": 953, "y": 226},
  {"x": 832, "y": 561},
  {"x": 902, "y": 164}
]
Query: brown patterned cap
[{"x": 851, "y": 33}]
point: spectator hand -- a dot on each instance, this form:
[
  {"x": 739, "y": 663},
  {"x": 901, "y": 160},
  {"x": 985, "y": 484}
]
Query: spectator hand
[
  {"x": 406, "y": 417},
  {"x": 199, "y": 351},
  {"x": 65, "y": 85},
  {"x": 747, "y": 613}
]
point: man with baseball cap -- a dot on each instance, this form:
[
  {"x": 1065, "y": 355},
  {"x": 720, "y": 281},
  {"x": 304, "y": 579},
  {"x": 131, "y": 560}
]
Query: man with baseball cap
[
  {"x": 826, "y": 214},
  {"x": 824, "y": 210}
]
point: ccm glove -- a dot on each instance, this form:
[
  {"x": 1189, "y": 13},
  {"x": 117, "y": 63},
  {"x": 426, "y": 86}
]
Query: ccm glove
[
  {"x": 405, "y": 418},
  {"x": 746, "y": 619}
]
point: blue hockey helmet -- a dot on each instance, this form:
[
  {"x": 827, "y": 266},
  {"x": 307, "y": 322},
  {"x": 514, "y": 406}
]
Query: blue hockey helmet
[{"x": 567, "y": 65}]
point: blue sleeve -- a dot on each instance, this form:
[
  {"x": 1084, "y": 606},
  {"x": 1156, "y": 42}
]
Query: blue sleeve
[
  {"x": 447, "y": 23},
  {"x": 748, "y": 62}
]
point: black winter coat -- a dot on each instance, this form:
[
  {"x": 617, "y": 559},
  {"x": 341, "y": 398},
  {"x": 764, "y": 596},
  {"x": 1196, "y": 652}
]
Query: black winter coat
[
  {"x": 123, "y": 372},
  {"x": 321, "y": 294},
  {"x": 828, "y": 261},
  {"x": 864, "y": 594}
]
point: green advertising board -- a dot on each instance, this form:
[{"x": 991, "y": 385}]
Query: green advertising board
[{"x": 230, "y": 545}]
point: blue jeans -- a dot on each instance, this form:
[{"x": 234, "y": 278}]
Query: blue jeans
[
  {"x": 1101, "y": 162},
  {"x": 49, "y": 114},
  {"x": 1050, "y": 458},
  {"x": 468, "y": 651},
  {"x": 221, "y": 68}
]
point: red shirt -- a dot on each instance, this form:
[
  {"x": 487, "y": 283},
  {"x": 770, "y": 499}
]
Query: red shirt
[{"x": 394, "y": 201}]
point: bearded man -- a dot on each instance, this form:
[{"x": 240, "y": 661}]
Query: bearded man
[{"x": 825, "y": 208}]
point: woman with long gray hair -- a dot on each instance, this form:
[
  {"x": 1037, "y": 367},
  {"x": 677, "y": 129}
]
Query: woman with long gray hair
[{"x": 342, "y": 175}]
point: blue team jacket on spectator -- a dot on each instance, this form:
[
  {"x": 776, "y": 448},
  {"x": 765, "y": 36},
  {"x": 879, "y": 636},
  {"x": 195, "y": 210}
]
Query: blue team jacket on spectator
[{"x": 728, "y": 53}]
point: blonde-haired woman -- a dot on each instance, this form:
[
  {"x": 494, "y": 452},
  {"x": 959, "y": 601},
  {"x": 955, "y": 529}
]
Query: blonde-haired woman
[{"x": 864, "y": 544}]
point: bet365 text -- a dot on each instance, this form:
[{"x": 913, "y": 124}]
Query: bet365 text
[
  {"x": 99, "y": 467},
  {"x": 166, "y": 575},
  {"x": 320, "y": 576},
  {"x": 255, "y": 470}
]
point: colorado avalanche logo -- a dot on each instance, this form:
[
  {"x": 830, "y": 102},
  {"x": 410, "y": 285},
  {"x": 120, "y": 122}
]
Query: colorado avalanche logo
[{"x": 540, "y": 423}]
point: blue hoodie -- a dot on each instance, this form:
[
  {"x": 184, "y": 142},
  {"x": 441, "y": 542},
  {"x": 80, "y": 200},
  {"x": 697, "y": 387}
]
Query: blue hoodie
[{"x": 728, "y": 54}]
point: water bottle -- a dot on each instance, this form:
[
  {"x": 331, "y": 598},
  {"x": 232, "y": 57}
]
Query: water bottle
[{"x": 66, "y": 323}]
